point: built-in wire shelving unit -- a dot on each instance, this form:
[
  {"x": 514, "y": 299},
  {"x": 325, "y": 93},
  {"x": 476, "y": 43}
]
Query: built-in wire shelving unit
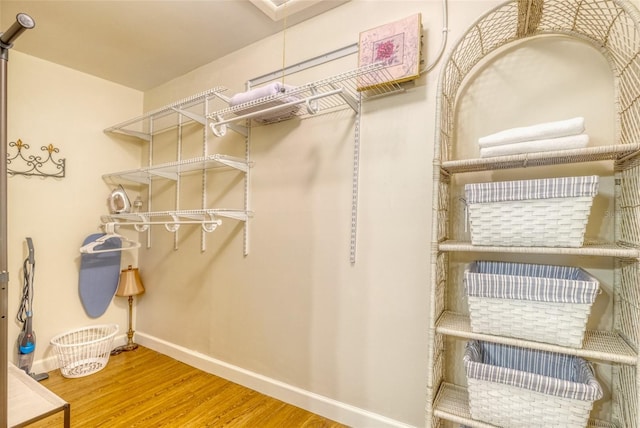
[
  {"x": 342, "y": 91},
  {"x": 191, "y": 111}
]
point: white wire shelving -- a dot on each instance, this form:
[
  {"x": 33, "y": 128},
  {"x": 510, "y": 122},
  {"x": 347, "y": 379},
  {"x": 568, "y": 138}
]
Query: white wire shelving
[
  {"x": 208, "y": 219},
  {"x": 173, "y": 170},
  {"x": 168, "y": 117},
  {"x": 191, "y": 111},
  {"x": 345, "y": 90},
  {"x": 342, "y": 91}
]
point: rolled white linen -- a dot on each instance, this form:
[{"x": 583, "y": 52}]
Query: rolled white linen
[
  {"x": 273, "y": 88},
  {"x": 541, "y": 131},
  {"x": 546, "y": 145}
]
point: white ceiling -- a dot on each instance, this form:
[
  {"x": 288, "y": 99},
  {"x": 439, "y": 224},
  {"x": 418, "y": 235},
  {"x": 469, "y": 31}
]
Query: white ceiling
[{"x": 144, "y": 43}]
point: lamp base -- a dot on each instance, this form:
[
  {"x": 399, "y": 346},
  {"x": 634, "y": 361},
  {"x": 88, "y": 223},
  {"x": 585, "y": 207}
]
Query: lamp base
[{"x": 124, "y": 348}]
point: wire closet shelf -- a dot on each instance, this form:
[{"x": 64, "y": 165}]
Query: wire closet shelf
[
  {"x": 345, "y": 90},
  {"x": 341, "y": 91}
]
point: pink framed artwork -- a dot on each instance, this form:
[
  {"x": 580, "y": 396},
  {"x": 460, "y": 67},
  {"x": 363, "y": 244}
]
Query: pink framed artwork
[{"x": 397, "y": 45}]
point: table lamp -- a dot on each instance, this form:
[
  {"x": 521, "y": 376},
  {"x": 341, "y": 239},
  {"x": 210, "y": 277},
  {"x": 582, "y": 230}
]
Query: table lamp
[{"x": 130, "y": 285}]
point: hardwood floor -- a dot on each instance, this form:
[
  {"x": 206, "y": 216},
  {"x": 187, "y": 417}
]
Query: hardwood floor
[{"x": 143, "y": 388}]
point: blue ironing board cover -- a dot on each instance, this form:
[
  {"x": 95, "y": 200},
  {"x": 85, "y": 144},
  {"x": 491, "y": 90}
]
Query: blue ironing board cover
[{"x": 99, "y": 276}]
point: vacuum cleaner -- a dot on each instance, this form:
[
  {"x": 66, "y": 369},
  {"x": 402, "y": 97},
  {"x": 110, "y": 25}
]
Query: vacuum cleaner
[{"x": 27, "y": 337}]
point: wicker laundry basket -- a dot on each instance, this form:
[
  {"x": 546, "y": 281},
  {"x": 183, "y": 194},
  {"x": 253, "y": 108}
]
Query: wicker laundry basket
[
  {"x": 84, "y": 351},
  {"x": 551, "y": 212},
  {"x": 515, "y": 387},
  {"x": 544, "y": 303}
]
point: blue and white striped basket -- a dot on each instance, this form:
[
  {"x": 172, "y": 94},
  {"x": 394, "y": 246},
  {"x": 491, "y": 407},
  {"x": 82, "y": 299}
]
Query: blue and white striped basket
[
  {"x": 550, "y": 212},
  {"x": 544, "y": 303},
  {"x": 515, "y": 387}
]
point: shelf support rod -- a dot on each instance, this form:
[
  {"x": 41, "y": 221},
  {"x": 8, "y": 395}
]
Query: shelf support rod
[
  {"x": 167, "y": 175},
  {"x": 352, "y": 102},
  {"x": 240, "y": 129},
  {"x": 141, "y": 135},
  {"x": 354, "y": 189},
  {"x": 241, "y": 166},
  {"x": 198, "y": 118}
]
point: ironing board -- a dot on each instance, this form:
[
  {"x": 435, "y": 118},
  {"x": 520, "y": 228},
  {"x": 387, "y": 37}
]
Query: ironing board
[
  {"x": 99, "y": 275},
  {"x": 29, "y": 401}
]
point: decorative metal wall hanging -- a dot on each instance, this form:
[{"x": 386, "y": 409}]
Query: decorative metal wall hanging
[{"x": 34, "y": 165}]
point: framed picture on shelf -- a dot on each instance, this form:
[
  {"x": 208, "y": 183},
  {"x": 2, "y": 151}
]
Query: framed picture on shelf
[{"x": 397, "y": 45}]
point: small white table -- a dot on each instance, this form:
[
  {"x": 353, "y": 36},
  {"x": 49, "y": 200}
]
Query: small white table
[{"x": 28, "y": 401}]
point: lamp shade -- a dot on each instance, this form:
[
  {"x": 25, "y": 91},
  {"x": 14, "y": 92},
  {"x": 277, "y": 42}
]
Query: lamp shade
[{"x": 130, "y": 283}]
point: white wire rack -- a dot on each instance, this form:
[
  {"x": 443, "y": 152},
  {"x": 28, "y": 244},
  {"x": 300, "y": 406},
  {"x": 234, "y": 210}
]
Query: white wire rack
[
  {"x": 341, "y": 91},
  {"x": 344, "y": 90},
  {"x": 174, "y": 117},
  {"x": 166, "y": 117},
  {"x": 209, "y": 219},
  {"x": 172, "y": 170}
]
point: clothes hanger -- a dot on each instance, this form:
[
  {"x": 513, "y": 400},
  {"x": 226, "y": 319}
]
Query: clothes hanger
[{"x": 125, "y": 243}]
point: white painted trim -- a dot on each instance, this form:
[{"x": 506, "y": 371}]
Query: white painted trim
[
  {"x": 276, "y": 13},
  {"x": 45, "y": 365},
  {"x": 318, "y": 404}
]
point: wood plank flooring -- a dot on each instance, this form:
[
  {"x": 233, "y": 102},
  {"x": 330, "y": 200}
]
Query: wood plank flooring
[{"x": 143, "y": 388}]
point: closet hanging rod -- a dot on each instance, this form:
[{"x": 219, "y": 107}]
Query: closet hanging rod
[
  {"x": 172, "y": 226},
  {"x": 183, "y": 216}
]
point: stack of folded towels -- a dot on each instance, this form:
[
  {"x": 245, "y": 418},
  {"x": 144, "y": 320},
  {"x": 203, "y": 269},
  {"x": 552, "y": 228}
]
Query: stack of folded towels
[
  {"x": 543, "y": 137},
  {"x": 271, "y": 95}
]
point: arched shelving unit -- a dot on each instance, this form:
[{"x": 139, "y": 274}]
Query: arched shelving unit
[{"x": 613, "y": 28}]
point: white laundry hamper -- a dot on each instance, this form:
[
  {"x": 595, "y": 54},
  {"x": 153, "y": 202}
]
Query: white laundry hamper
[{"x": 84, "y": 351}]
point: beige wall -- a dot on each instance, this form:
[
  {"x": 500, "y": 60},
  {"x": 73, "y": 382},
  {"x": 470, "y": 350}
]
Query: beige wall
[
  {"x": 51, "y": 104},
  {"x": 295, "y": 310}
]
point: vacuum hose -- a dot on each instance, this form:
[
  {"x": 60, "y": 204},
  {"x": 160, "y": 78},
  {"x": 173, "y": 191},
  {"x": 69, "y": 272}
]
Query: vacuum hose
[{"x": 27, "y": 337}]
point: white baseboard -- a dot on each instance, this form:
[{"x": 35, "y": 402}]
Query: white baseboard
[{"x": 318, "y": 404}]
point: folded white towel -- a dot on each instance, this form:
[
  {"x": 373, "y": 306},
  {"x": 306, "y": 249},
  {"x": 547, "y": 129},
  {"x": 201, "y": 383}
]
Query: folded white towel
[
  {"x": 541, "y": 131},
  {"x": 271, "y": 89},
  {"x": 257, "y": 93},
  {"x": 550, "y": 144}
]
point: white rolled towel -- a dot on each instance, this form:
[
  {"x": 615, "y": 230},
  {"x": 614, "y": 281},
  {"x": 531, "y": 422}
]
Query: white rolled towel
[
  {"x": 257, "y": 93},
  {"x": 546, "y": 145},
  {"x": 541, "y": 131}
]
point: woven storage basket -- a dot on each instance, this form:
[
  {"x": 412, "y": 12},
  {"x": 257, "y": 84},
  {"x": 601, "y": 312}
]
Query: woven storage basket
[
  {"x": 550, "y": 212},
  {"x": 544, "y": 303},
  {"x": 84, "y": 351},
  {"x": 515, "y": 387}
]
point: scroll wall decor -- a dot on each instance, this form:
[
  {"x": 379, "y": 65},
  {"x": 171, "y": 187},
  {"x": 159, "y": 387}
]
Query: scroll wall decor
[{"x": 22, "y": 163}]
